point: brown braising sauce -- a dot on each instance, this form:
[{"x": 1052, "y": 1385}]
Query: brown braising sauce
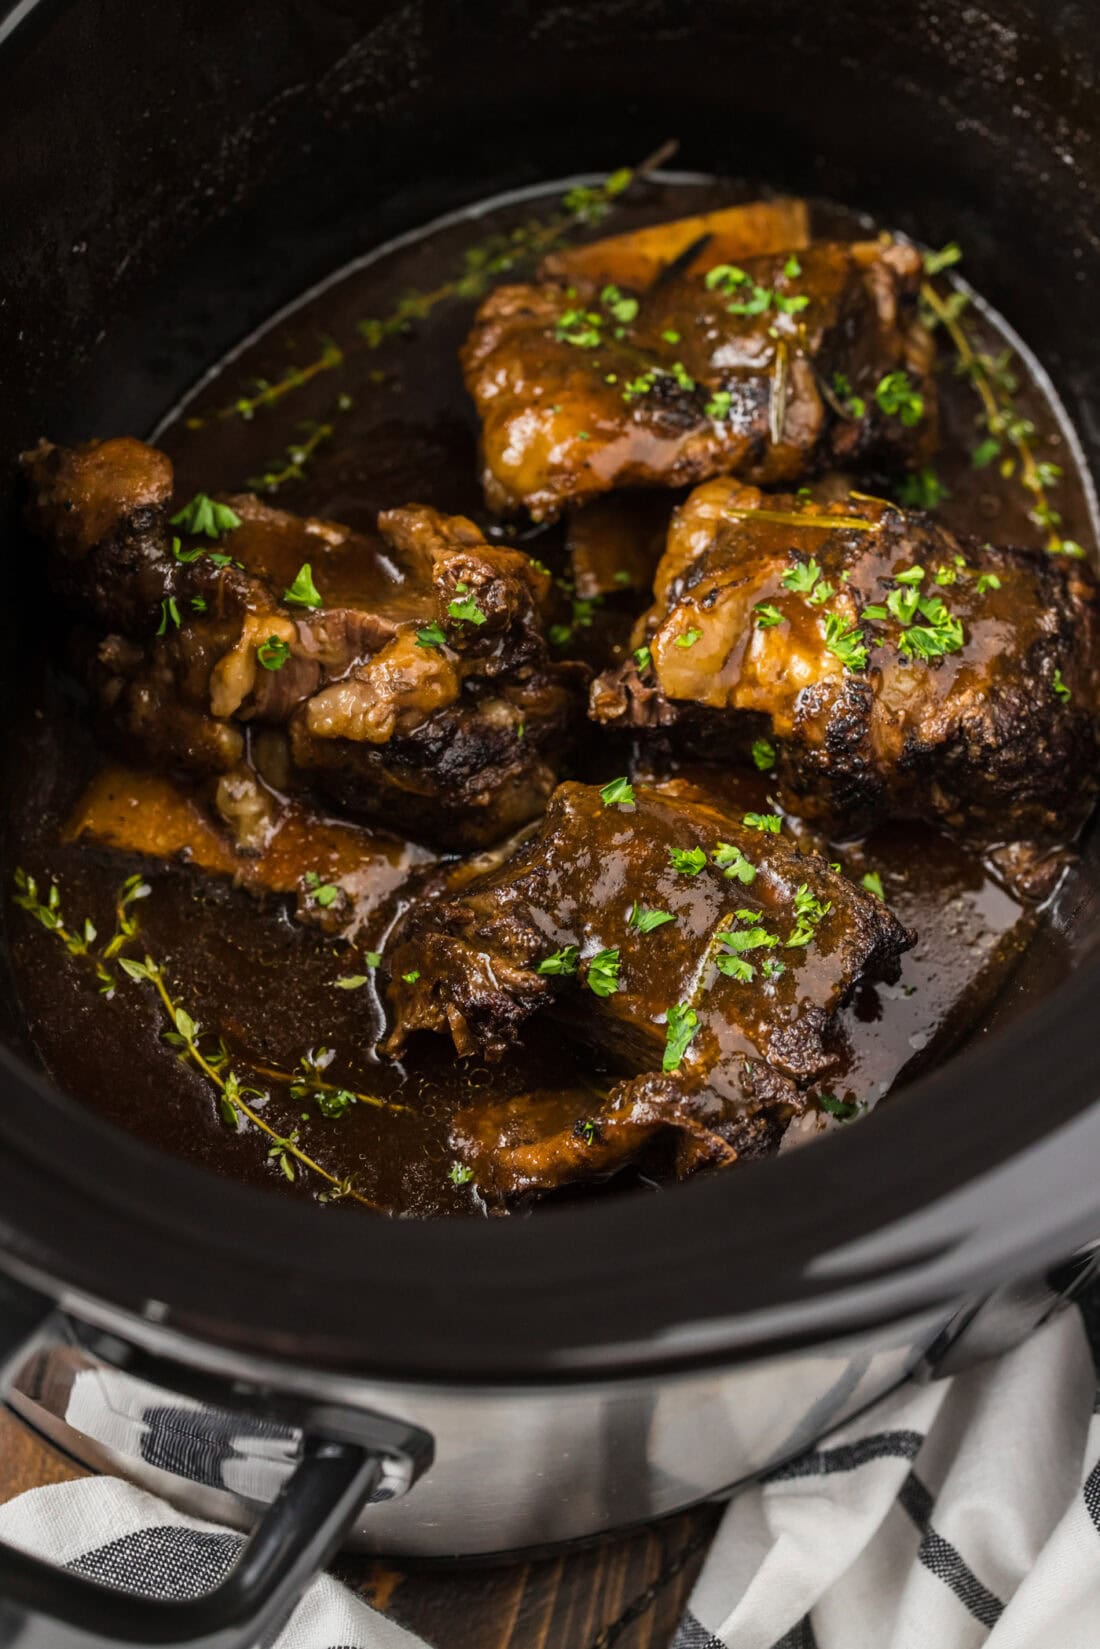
[{"x": 340, "y": 410}]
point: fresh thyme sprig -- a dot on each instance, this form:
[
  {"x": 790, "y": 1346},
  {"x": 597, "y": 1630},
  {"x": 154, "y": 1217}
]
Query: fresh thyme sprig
[
  {"x": 246, "y": 406},
  {"x": 306, "y": 1083},
  {"x": 996, "y": 387},
  {"x": 77, "y": 941},
  {"x": 292, "y": 465},
  {"x": 234, "y": 1095}
]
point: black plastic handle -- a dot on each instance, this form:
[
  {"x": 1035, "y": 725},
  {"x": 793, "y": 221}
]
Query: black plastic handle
[
  {"x": 46, "y": 1607},
  {"x": 43, "y": 1607}
]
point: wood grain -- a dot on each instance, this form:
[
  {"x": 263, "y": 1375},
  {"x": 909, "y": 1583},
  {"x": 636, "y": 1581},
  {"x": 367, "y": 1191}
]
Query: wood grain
[{"x": 621, "y": 1594}]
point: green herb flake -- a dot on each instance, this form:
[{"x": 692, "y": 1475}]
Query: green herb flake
[
  {"x": 321, "y": 893},
  {"x": 766, "y": 615},
  {"x": 843, "y": 1109},
  {"x": 792, "y": 268},
  {"x": 987, "y": 581},
  {"x": 303, "y": 592},
  {"x": 763, "y": 754},
  {"x": 689, "y": 637},
  {"x": 647, "y": 921},
  {"x": 670, "y": 336},
  {"x": 602, "y": 975},
  {"x": 561, "y": 962},
  {"x": 687, "y": 861},
  {"x": 460, "y": 1174},
  {"x": 643, "y": 658},
  {"x": 1061, "y": 691},
  {"x": 466, "y": 610},
  {"x": 432, "y": 635},
  {"x": 273, "y": 653},
  {"x": 412, "y": 976},
  {"x": 845, "y": 642},
  {"x": 169, "y": 613},
  {"x": 985, "y": 452},
  {"x": 922, "y": 491},
  {"x": 350, "y": 981},
  {"x": 682, "y": 1022},
  {"x": 801, "y": 578},
  {"x": 872, "y": 881},
  {"x": 204, "y": 516},
  {"x": 770, "y": 823},
  {"x": 718, "y": 406},
  {"x": 618, "y": 793},
  {"x": 733, "y": 863},
  {"x": 898, "y": 398}
]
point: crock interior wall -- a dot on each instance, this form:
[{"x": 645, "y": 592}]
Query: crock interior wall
[{"x": 170, "y": 174}]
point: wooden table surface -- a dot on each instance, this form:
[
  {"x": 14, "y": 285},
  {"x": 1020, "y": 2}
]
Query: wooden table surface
[{"x": 627, "y": 1593}]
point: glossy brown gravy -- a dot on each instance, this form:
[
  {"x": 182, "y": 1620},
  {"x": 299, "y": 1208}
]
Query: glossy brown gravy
[{"x": 366, "y": 426}]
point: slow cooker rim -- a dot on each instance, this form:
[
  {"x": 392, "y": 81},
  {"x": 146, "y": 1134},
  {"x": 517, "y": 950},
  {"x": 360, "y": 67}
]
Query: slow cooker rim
[{"x": 870, "y": 1226}]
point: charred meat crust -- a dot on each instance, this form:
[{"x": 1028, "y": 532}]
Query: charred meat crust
[
  {"x": 469, "y": 967},
  {"x": 419, "y": 693},
  {"x": 998, "y": 738},
  {"x": 573, "y": 403}
]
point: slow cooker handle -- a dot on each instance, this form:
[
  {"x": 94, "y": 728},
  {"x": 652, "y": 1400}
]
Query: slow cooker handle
[
  {"x": 43, "y": 1607},
  {"x": 46, "y": 1607}
]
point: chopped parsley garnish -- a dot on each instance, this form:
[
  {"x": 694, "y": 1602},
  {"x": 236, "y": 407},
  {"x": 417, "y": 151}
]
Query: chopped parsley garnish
[
  {"x": 273, "y": 653},
  {"x": 770, "y": 822},
  {"x": 872, "y": 881},
  {"x": 689, "y": 637},
  {"x": 845, "y": 642},
  {"x": 875, "y": 610},
  {"x": 198, "y": 604},
  {"x": 733, "y": 863},
  {"x": 792, "y": 268},
  {"x": 431, "y": 635},
  {"x": 742, "y": 939},
  {"x": 322, "y": 893},
  {"x": 735, "y": 967},
  {"x": 303, "y": 592},
  {"x": 619, "y": 308},
  {"x": 718, "y": 407},
  {"x": 186, "y": 556},
  {"x": 588, "y": 1131},
  {"x": 766, "y": 615},
  {"x": 643, "y": 658},
  {"x": 987, "y": 581},
  {"x": 670, "y": 336},
  {"x": 854, "y": 406},
  {"x": 646, "y": 921},
  {"x": 763, "y": 754},
  {"x": 801, "y": 578},
  {"x": 466, "y": 609},
  {"x": 641, "y": 385},
  {"x": 899, "y": 399},
  {"x": 169, "y": 611},
  {"x": 911, "y": 575},
  {"x": 773, "y": 967},
  {"x": 922, "y": 491},
  {"x": 726, "y": 278},
  {"x": 620, "y": 792},
  {"x": 688, "y": 861},
  {"x": 206, "y": 517},
  {"x": 808, "y": 912},
  {"x": 560, "y": 962},
  {"x": 985, "y": 452},
  {"x": 940, "y": 634},
  {"x": 350, "y": 982},
  {"x": 460, "y": 1174},
  {"x": 373, "y": 958},
  {"x": 579, "y": 327},
  {"x": 842, "y": 1108},
  {"x": 602, "y": 976},
  {"x": 412, "y": 976},
  {"x": 682, "y": 1023},
  {"x": 1061, "y": 691}
]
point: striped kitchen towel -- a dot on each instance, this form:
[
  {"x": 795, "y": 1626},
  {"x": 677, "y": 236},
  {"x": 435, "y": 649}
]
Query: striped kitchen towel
[{"x": 954, "y": 1515}]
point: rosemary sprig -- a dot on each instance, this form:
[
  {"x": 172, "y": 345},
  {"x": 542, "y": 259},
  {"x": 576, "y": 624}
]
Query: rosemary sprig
[
  {"x": 995, "y": 386},
  {"x": 791, "y": 518}
]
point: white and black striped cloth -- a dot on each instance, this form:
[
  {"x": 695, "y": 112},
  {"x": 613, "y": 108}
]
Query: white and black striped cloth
[{"x": 957, "y": 1514}]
